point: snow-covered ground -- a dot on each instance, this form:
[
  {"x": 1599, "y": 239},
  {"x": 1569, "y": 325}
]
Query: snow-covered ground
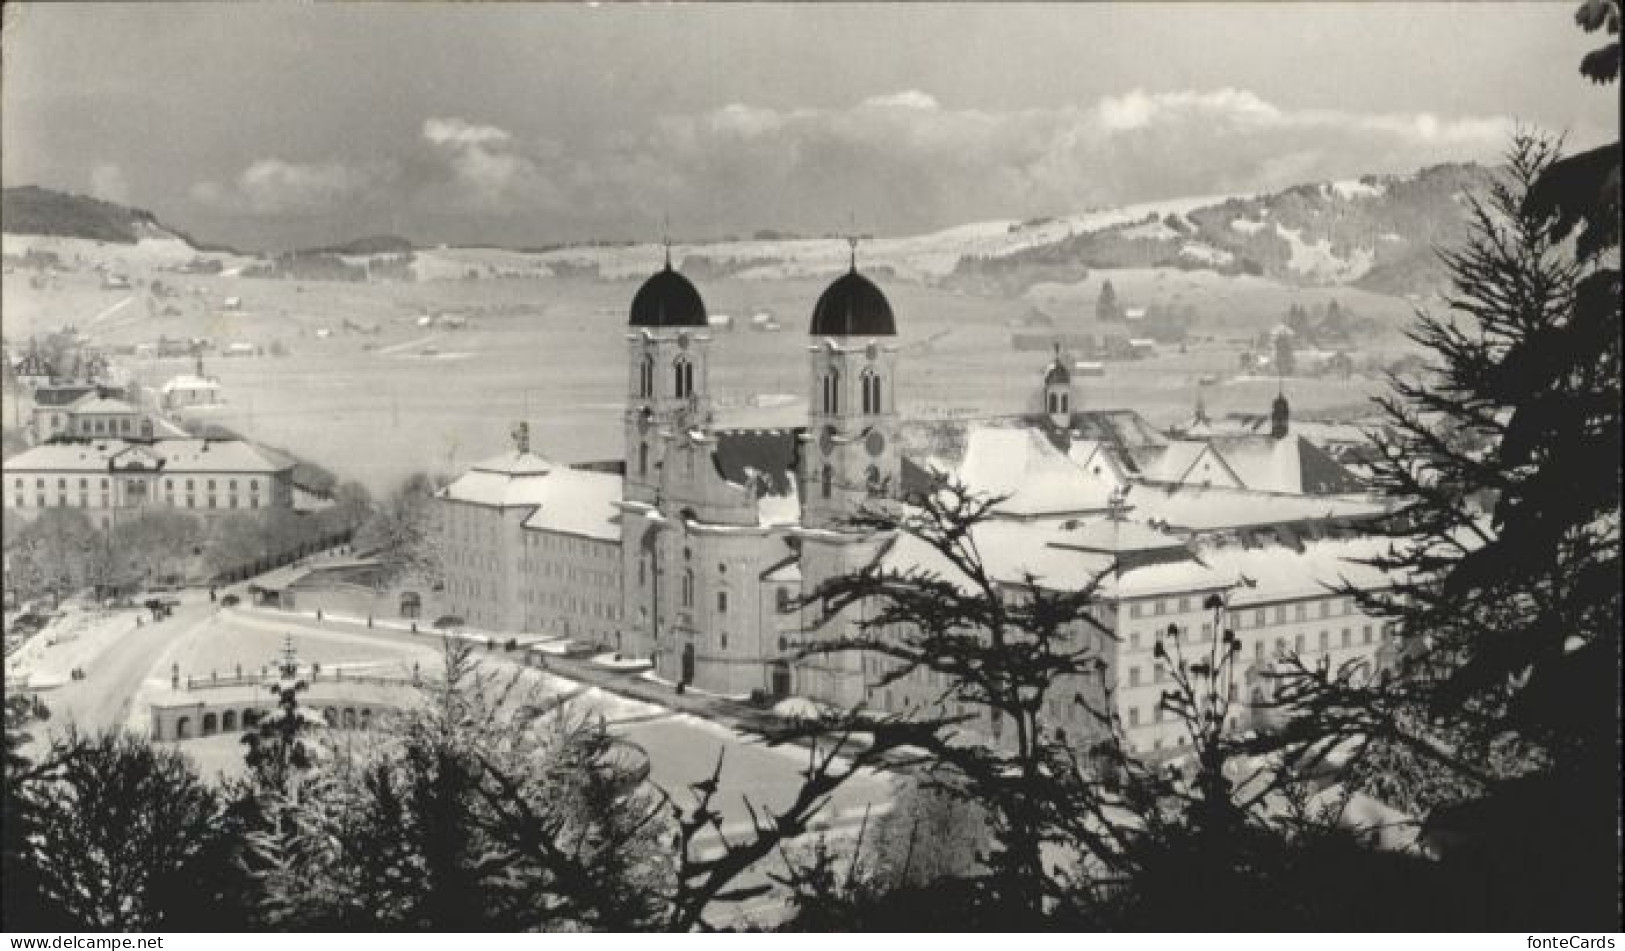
[{"x": 75, "y": 639}]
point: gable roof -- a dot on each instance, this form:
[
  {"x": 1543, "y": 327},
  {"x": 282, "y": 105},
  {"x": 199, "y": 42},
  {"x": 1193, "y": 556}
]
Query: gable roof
[{"x": 1291, "y": 464}]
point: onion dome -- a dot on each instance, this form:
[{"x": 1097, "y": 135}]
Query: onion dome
[
  {"x": 853, "y": 307},
  {"x": 667, "y": 300}
]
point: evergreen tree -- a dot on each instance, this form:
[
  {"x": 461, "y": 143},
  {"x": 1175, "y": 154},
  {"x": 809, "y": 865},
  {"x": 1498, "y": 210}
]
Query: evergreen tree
[{"x": 1504, "y": 716}]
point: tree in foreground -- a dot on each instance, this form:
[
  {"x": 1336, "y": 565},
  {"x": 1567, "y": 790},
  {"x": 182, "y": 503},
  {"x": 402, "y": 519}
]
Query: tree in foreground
[{"x": 1501, "y": 726}]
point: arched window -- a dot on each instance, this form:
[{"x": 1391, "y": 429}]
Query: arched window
[
  {"x": 643, "y": 458},
  {"x": 871, "y": 392},
  {"x": 688, "y": 588},
  {"x": 827, "y": 482},
  {"x": 646, "y": 376},
  {"x": 1054, "y": 403},
  {"x": 1065, "y": 400},
  {"x": 683, "y": 377},
  {"x": 832, "y": 392}
]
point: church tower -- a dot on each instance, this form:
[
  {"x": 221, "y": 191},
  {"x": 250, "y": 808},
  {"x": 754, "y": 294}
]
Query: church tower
[
  {"x": 851, "y": 453},
  {"x": 667, "y": 374},
  {"x": 1057, "y": 398}
]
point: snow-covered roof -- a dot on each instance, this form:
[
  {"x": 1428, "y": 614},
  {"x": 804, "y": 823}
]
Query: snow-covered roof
[
  {"x": 579, "y": 502},
  {"x": 561, "y": 499},
  {"x": 1291, "y": 464},
  {"x": 176, "y": 455},
  {"x": 1278, "y": 573},
  {"x": 1203, "y": 508},
  {"x": 103, "y": 404},
  {"x": 191, "y": 381},
  {"x": 1023, "y": 464},
  {"x": 512, "y": 478}
]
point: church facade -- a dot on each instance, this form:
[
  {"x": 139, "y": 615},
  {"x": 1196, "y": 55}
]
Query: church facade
[{"x": 721, "y": 534}]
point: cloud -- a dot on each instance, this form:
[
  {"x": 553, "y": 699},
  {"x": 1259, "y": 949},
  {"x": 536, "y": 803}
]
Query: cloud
[
  {"x": 899, "y": 162},
  {"x": 107, "y": 182},
  {"x": 489, "y": 171},
  {"x": 274, "y": 187}
]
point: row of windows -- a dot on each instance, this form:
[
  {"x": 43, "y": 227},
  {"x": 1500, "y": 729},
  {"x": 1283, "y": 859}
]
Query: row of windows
[
  {"x": 169, "y": 484},
  {"x": 569, "y": 544},
  {"x": 1298, "y": 645},
  {"x": 84, "y": 501},
  {"x": 1259, "y": 617}
]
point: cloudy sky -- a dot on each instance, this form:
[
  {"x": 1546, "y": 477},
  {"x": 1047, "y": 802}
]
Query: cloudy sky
[{"x": 279, "y": 125}]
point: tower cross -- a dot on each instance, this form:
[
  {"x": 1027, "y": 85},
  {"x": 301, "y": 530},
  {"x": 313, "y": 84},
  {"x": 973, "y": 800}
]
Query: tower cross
[
  {"x": 521, "y": 437},
  {"x": 665, "y": 237}
]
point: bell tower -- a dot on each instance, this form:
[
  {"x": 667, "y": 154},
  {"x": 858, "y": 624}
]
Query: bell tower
[
  {"x": 852, "y": 453},
  {"x": 668, "y": 350},
  {"x": 1057, "y": 397}
]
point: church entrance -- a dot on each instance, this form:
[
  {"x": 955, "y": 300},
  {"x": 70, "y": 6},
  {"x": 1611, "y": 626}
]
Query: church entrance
[{"x": 688, "y": 664}]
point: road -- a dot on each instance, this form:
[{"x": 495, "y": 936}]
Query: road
[{"x": 102, "y": 700}]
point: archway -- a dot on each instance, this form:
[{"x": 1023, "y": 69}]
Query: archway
[
  {"x": 210, "y": 724},
  {"x": 183, "y": 728},
  {"x": 349, "y": 718},
  {"x": 228, "y": 720}
]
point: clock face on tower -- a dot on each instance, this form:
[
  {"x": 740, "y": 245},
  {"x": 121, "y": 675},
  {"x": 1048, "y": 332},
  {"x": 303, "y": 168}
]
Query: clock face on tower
[{"x": 875, "y": 443}]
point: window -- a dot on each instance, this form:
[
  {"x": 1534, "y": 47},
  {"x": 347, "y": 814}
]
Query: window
[
  {"x": 1258, "y": 650},
  {"x": 1367, "y": 633},
  {"x": 1325, "y": 640},
  {"x": 188, "y": 485},
  {"x": 1300, "y": 612},
  {"x": 1325, "y": 608},
  {"x": 871, "y": 392},
  {"x": 724, "y": 640},
  {"x": 1158, "y": 607},
  {"x": 1134, "y": 641},
  {"x": 1184, "y": 605},
  {"x": 1134, "y": 676},
  {"x": 688, "y": 588},
  {"x": 1297, "y": 643},
  {"x": 722, "y": 605},
  {"x": 1258, "y": 618},
  {"x": 1157, "y": 673},
  {"x": 1133, "y": 716},
  {"x": 1348, "y": 637},
  {"x": 643, "y": 458},
  {"x": 784, "y": 600},
  {"x": 254, "y": 485},
  {"x": 62, "y": 483},
  {"x": 827, "y": 481},
  {"x": 646, "y": 376},
  {"x": 1134, "y": 609},
  {"x": 84, "y": 484},
  {"x": 683, "y": 377},
  {"x": 1280, "y": 614},
  {"x": 871, "y": 479},
  {"x": 832, "y": 392}
]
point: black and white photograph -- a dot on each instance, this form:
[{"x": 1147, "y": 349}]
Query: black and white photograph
[{"x": 1136, "y": 468}]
